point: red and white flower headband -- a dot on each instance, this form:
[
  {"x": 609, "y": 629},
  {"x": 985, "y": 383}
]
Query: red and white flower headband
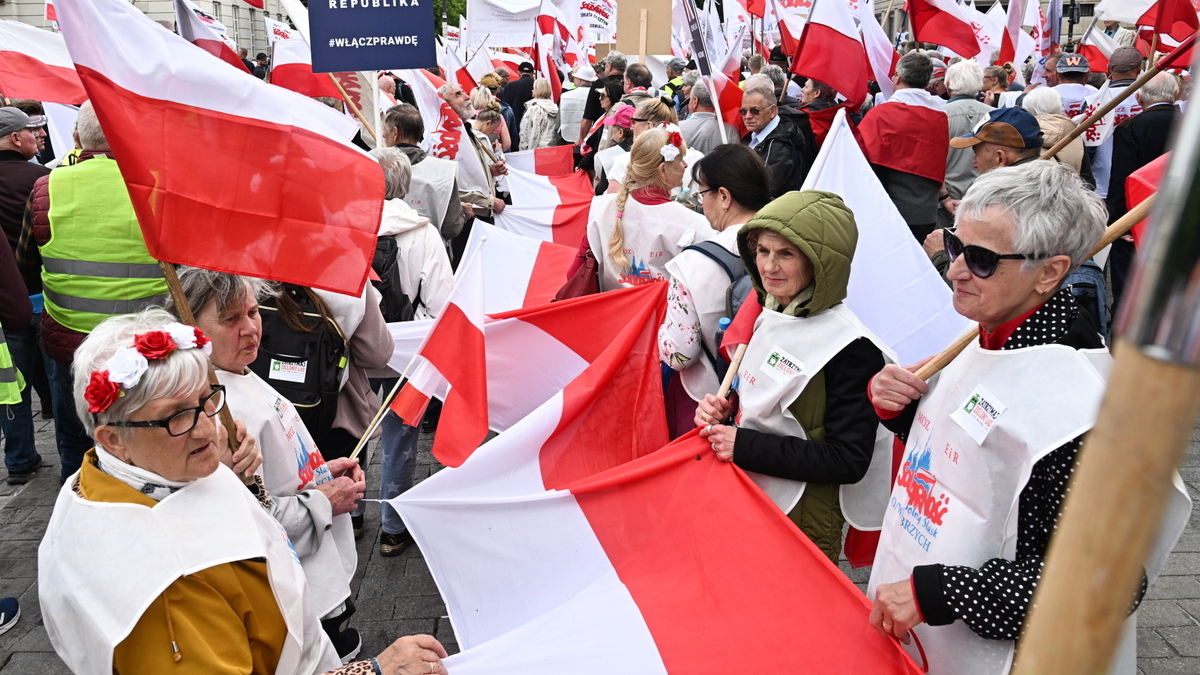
[
  {"x": 126, "y": 367},
  {"x": 670, "y": 151}
]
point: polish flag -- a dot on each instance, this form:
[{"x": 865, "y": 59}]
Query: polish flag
[
  {"x": 549, "y": 208},
  {"x": 942, "y": 22},
  {"x": 205, "y": 32},
  {"x": 480, "y": 64},
  {"x": 1096, "y": 46},
  {"x": 1015, "y": 44},
  {"x": 446, "y": 135},
  {"x": 1176, "y": 18},
  {"x": 291, "y": 68},
  {"x": 791, "y": 27},
  {"x": 308, "y": 216},
  {"x": 452, "y": 365},
  {"x": 51, "y": 15},
  {"x": 557, "y": 160},
  {"x": 255, "y": 3},
  {"x": 729, "y": 94},
  {"x": 453, "y": 68},
  {"x": 548, "y": 52},
  {"x": 881, "y": 55},
  {"x": 34, "y": 64},
  {"x": 277, "y": 30},
  {"x": 831, "y": 52},
  {"x": 1141, "y": 184},
  {"x": 576, "y": 530},
  {"x": 519, "y": 271}
]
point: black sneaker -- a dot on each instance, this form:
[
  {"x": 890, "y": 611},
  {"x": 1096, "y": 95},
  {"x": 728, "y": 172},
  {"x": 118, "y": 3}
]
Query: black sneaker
[
  {"x": 23, "y": 477},
  {"x": 347, "y": 643},
  {"x": 394, "y": 544},
  {"x": 357, "y": 522},
  {"x": 10, "y": 611}
]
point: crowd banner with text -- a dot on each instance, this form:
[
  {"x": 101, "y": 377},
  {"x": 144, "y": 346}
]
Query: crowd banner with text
[{"x": 352, "y": 35}]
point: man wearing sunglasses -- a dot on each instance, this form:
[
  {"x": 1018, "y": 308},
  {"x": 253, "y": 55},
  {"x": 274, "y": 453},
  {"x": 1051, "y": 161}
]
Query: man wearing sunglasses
[{"x": 779, "y": 142}]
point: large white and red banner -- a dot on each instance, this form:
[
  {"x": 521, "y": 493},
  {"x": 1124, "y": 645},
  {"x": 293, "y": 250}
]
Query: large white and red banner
[
  {"x": 35, "y": 64},
  {"x": 576, "y": 530},
  {"x": 452, "y": 365},
  {"x": 308, "y": 216},
  {"x": 549, "y": 208},
  {"x": 291, "y": 68},
  {"x": 557, "y": 160},
  {"x": 206, "y": 33}
]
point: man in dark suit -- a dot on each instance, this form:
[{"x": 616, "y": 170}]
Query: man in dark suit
[
  {"x": 1136, "y": 142},
  {"x": 516, "y": 94}
]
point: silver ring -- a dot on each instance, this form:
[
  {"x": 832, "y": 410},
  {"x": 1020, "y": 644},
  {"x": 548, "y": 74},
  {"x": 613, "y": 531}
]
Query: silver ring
[
  {"x": 708, "y": 429},
  {"x": 887, "y": 626},
  {"x": 432, "y": 666},
  {"x": 714, "y": 446}
]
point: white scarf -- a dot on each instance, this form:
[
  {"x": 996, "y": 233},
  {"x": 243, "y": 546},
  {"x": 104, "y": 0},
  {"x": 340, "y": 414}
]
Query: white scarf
[{"x": 146, "y": 482}]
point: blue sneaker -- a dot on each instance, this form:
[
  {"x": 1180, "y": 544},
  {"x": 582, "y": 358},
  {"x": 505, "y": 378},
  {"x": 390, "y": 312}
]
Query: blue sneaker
[{"x": 10, "y": 611}]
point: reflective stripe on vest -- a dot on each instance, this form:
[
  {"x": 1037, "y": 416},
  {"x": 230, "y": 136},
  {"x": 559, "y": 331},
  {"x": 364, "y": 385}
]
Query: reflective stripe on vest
[
  {"x": 11, "y": 382},
  {"x": 96, "y": 263}
]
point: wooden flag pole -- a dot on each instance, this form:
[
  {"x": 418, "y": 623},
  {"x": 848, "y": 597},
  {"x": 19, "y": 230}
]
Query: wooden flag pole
[
  {"x": 185, "y": 316},
  {"x": 734, "y": 365},
  {"x": 353, "y": 108},
  {"x": 1111, "y": 516},
  {"x": 1114, "y": 232},
  {"x": 886, "y": 14},
  {"x": 1115, "y": 101}
]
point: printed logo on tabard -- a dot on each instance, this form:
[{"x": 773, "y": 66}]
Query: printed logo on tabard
[
  {"x": 781, "y": 366},
  {"x": 978, "y": 414},
  {"x": 287, "y": 371}
]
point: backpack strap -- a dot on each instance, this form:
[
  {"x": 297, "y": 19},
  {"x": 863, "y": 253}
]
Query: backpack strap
[{"x": 730, "y": 262}]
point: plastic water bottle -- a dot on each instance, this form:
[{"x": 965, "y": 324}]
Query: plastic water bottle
[{"x": 722, "y": 325}]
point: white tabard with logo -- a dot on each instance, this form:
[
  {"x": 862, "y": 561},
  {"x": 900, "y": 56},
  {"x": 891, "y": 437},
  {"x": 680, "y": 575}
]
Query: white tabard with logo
[
  {"x": 783, "y": 356},
  {"x": 652, "y": 234},
  {"x": 291, "y": 463},
  {"x": 987, "y": 419},
  {"x": 101, "y": 564},
  {"x": 429, "y": 192}
]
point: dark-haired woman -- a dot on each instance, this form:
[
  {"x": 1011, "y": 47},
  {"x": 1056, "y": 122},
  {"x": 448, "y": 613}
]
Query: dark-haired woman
[
  {"x": 733, "y": 185},
  {"x": 596, "y": 139}
]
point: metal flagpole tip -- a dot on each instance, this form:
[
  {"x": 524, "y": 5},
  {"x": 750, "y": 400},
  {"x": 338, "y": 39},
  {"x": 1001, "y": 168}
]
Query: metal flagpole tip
[{"x": 483, "y": 239}]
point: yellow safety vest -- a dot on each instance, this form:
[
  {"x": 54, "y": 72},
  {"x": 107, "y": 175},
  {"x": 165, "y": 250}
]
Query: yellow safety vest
[
  {"x": 11, "y": 382},
  {"x": 96, "y": 264}
]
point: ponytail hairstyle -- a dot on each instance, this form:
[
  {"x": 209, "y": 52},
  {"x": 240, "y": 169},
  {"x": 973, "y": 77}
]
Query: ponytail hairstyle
[
  {"x": 654, "y": 110},
  {"x": 649, "y": 152}
]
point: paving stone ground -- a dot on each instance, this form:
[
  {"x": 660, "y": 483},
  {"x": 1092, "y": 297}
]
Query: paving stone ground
[{"x": 397, "y": 596}]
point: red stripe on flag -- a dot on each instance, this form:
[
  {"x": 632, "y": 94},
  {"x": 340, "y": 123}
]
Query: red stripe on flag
[
  {"x": 222, "y": 51},
  {"x": 23, "y": 76},
  {"x": 310, "y": 220},
  {"x": 834, "y": 58},
  {"x": 670, "y": 522},
  {"x": 932, "y": 24},
  {"x": 571, "y": 214},
  {"x": 300, "y": 78},
  {"x": 409, "y": 405},
  {"x": 554, "y": 161},
  {"x": 623, "y": 383},
  {"x": 456, "y": 348},
  {"x": 549, "y": 268}
]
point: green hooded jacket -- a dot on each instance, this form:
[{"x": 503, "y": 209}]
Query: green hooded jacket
[{"x": 823, "y": 228}]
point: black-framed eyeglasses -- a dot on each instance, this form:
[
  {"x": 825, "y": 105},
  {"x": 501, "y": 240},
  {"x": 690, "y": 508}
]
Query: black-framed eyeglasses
[
  {"x": 638, "y": 119},
  {"x": 980, "y": 261},
  {"x": 185, "y": 420},
  {"x": 698, "y": 196}
]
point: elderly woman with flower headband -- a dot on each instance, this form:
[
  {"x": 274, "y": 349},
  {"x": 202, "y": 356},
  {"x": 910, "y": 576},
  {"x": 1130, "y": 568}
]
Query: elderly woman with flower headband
[
  {"x": 636, "y": 231},
  {"x": 157, "y": 558}
]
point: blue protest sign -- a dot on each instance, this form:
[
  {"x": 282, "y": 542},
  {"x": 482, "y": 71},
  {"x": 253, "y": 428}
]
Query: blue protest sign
[{"x": 350, "y": 35}]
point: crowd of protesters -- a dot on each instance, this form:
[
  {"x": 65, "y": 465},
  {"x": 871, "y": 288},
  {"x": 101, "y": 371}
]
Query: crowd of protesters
[{"x": 681, "y": 198}]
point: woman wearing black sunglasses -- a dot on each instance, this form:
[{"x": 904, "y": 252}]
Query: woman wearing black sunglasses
[{"x": 992, "y": 441}]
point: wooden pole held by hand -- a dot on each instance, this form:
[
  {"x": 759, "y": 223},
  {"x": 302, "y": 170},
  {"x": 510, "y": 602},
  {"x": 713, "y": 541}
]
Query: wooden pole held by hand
[
  {"x": 185, "y": 316},
  {"x": 1114, "y": 232},
  {"x": 734, "y": 366}
]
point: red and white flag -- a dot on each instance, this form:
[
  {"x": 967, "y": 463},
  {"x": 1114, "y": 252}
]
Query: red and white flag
[
  {"x": 446, "y": 135},
  {"x": 50, "y": 14},
  {"x": 1015, "y": 44},
  {"x": 206, "y": 33},
  {"x": 881, "y": 55},
  {"x": 480, "y": 64},
  {"x": 549, "y": 208},
  {"x": 278, "y": 30},
  {"x": 791, "y": 27},
  {"x": 942, "y": 22},
  {"x": 830, "y": 51},
  {"x": 452, "y": 365},
  {"x": 291, "y": 68},
  {"x": 576, "y": 530},
  {"x": 551, "y": 35},
  {"x": 1096, "y": 46},
  {"x": 308, "y": 216},
  {"x": 557, "y": 160},
  {"x": 255, "y": 3},
  {"x": 35, "y": 64},
  {"x": 519, "y": 271},
  {"x": 1176, "y": 18},
  {"x": 453, "y": 67}
]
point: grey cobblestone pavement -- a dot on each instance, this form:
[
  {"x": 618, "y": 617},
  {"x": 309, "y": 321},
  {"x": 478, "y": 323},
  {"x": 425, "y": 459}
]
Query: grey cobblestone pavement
[{"x": 396, "y": 596}]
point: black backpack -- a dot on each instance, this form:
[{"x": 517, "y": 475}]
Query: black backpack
[
  {"x": 305, "y": 367},
  {"x": 741, "y": 286},
  {"x": 396, "y": 305}
]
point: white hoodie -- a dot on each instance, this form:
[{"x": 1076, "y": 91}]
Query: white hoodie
[{"x": 422, "y": 258}]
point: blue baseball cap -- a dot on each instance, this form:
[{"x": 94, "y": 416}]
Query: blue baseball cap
[{"x": 1010, "y": 127}]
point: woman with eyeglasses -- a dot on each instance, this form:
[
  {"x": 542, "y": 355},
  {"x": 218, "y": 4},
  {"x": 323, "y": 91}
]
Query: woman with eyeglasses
[
  {"x": 649, "y": 114},
  {"x": 600, "y": 137},
  {"x": 634, "y": 233},
  {"x": 992, "y": 440},
  {"x": 802, "y": 423},
  {"x": 311, "y": 498},
  {"x": 733, "y": 185},
  {"x": 157, "y": 558}
]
